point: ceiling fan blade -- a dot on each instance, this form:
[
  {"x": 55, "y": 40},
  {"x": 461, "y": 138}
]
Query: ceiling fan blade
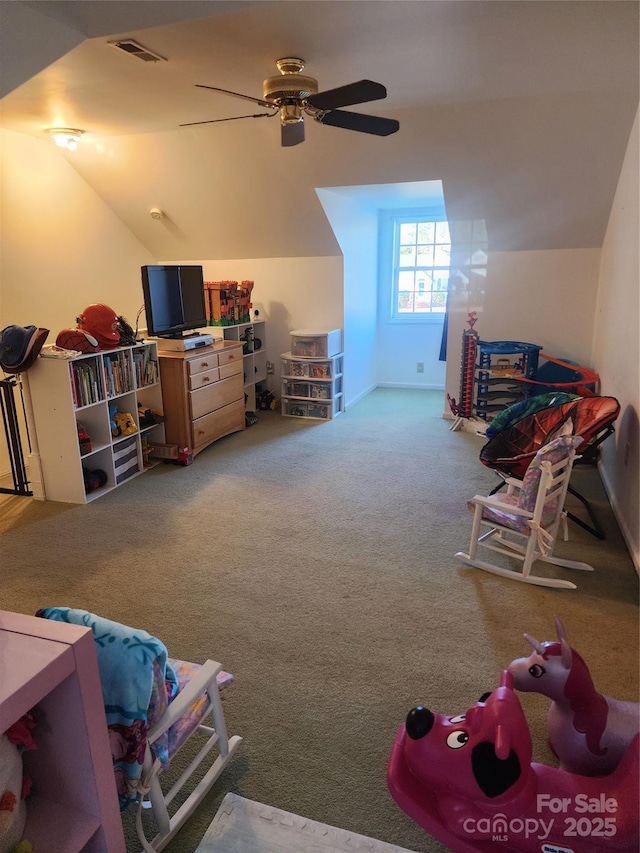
[
  {"x": 344, "y": 96},
  {"x": 357, "y": 121},
  {"x": 259, "y": 101},
  {"x": 231, "y": 118},
  {"x": 292, "y": 134}
]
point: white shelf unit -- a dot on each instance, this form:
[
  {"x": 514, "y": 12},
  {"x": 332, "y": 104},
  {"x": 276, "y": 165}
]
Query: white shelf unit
[
  {"x": 254, "y": 355},
  {"x": 312, "y": 387},
  {"x": 52, "y": 670},
  {"x": 68, "y": 392}
]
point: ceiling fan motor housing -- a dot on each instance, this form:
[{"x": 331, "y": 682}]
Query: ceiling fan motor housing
[{"x": 289, "y": 87}]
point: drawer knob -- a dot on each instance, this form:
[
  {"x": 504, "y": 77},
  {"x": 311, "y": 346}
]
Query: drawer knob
[
  {"x": 204, "y": 364},
  {"x": 206, "y": 379}
]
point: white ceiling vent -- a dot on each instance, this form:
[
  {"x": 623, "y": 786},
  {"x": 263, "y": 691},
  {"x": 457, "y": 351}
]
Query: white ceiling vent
[{"x": 134, "y": 49}]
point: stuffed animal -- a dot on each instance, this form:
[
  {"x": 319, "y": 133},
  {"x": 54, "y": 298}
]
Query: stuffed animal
[{"x": 13, "y": 812}]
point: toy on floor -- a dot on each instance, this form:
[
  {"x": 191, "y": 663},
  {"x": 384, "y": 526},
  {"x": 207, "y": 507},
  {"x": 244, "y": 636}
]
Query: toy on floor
[
  {"x": 589, "y": 732},
  {"x": 468, "y": 780},
  {"x": 265, "y": 399}
]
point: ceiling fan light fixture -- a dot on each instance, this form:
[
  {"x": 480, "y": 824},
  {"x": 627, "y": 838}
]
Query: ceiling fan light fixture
[
  {"x": 65, "y": 137},
  {"x": 290, "y": 113}
]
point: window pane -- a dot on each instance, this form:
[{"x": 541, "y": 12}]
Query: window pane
[
  {"x": 407, "y": 256},
  {"x": 406, "y": 280},
  {"x": 426, "y": 232},
  {"x": 425, "y": 256},
  {"x": 423, "y": 301},
  {"x": 442, "y": 232},
  {"x": 438, "y": 301},
  {"x": 441, "y": 282},
  {"x": 405, "y": 302},
  {"x": 442, "y": 255},
  {"x": 408, "y": 233}
]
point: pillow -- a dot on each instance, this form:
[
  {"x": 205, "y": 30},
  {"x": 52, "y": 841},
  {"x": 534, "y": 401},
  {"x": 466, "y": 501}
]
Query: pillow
[{"x": 552, "y": 452}]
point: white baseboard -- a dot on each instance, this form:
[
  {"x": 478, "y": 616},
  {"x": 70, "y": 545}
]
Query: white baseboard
[
  {"x": 410, "y": 385},
  {"x": 354, "y": 400},
  {"x": 626, "y": 533}
]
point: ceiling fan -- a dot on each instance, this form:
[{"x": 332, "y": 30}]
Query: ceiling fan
[{"x": 290, "y": 95}]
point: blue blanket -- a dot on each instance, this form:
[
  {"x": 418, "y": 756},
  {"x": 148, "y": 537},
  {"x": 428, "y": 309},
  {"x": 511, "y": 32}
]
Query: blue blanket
[{"x": 128, "y": 658}]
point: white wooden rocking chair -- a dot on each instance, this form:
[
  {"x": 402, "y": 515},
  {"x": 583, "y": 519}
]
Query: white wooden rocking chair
[
  {"x": 524, "y": 523},
  {"x": 153, "y": 705}
]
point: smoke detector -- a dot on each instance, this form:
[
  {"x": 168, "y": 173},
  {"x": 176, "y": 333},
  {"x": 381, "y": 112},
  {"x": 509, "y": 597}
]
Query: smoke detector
[
  {"x": 156, "y": 213},
  {"x": 133, "y": 48}
]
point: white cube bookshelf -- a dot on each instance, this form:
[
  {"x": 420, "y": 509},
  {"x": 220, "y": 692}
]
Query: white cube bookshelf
[{"x": 66, "y": 393}]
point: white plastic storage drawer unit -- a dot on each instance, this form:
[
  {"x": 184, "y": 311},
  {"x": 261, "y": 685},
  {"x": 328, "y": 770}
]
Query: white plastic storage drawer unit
[{"x": 310, "y": 343}]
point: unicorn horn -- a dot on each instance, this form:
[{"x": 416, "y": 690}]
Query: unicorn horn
[
  {"x": 536, "y": 645},
  {"x": 560, "y": 632}
]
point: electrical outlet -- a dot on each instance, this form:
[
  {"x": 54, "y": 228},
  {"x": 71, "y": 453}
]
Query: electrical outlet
[
  {"x": 420, "y": 367},
  {"x": 270, "y": 368}
]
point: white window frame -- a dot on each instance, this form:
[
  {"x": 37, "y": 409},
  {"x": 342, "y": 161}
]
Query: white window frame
[{"x": 389, "y": 231}]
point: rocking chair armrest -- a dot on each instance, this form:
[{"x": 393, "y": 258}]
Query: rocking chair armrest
[
  {"x": 513, "y": 482},
  {"x": 493, "y": 502},
  {"x": 185, "y": 698}
]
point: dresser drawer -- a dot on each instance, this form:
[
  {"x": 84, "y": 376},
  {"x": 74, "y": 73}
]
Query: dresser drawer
[
  {"x": 221, "y": 422},
  {"x": 197, "y": 365},
  {"x": 230, "y": 356},
  {"x": 215, "y": 396},
  {"x": 199, "y": 380},
  {"x": 230, "y": 369}
]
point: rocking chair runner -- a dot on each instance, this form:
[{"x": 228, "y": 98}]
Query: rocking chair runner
[
  {"x": 153, "y": 704},
  {"x": 524, "y": 523}
]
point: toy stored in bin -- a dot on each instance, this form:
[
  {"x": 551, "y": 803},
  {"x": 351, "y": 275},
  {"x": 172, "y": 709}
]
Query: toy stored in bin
[
  {"x": 590, "y": 733},
  {"x": 469, "y": 781},
  {"x": 311, "y": 343}
]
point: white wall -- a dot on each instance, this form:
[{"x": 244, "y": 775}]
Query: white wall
[
  {"x": 356, "y": 228},
  {"x": 61, "y": 247},
  {"x": 616, "y": 347},
  {"x": 401, "y": 346},
  {"x": 545, "y": 297},
  {"x": 290, "y": 293}
]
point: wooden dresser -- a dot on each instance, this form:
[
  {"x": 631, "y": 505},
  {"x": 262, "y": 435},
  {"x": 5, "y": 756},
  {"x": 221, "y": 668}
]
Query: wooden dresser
[{"x": 202, "y": 393}]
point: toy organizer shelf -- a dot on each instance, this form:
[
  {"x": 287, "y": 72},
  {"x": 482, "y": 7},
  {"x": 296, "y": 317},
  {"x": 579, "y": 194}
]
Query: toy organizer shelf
[
  {"x": 312, "y": 384},
  {"x": 52, "y": 670},
  {"x": 70, "y": 394},
  {"x": 254, "y": 355},
  {"x": 500, "y": 367}
]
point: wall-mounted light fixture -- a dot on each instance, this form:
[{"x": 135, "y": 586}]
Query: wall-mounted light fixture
[{"x": 65, "y": 137}]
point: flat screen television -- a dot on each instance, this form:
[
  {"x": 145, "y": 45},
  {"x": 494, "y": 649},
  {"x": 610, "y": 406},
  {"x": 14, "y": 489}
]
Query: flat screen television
[{"x": 173, "y": 300}]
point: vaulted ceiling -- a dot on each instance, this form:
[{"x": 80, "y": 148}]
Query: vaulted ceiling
[{"x": 522, "y": 108}]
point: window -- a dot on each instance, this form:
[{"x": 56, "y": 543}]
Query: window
[{"x": 421, "y": 257}]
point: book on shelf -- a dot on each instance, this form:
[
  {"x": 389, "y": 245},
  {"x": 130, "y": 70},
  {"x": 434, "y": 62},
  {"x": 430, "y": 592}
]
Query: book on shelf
[{"x": 86, "y": 382}]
